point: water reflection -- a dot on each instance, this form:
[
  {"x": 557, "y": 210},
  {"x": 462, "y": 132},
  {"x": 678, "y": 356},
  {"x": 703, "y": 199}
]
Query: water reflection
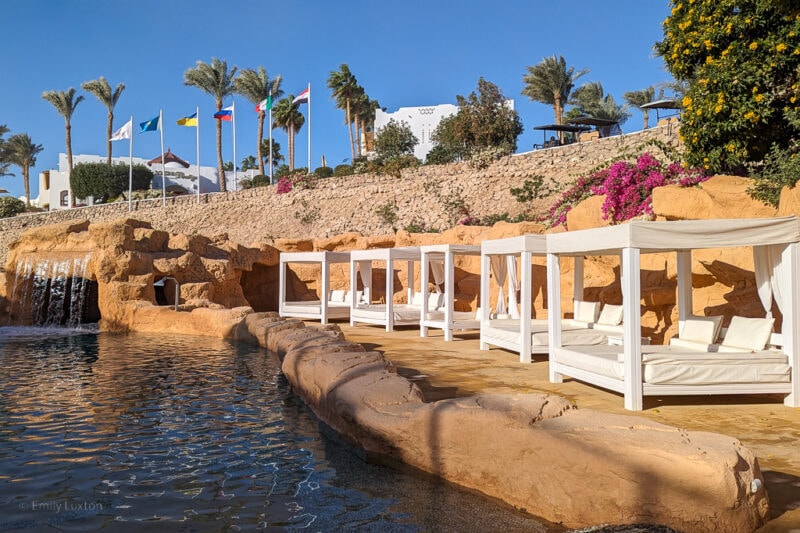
[{"x": 100, "y": 431}]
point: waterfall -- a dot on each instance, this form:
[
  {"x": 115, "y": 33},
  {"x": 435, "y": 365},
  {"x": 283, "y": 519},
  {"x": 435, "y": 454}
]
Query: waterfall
[{"x": 51, "y": 290}]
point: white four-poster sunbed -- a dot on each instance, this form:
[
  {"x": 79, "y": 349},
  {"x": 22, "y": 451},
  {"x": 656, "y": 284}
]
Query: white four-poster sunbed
[
  {"x": 512, "y": 328},
  {"x": 636, "y": 370},
  {"x": 332, "y": 304},
  {"x": 440, "y": 260},
  {"x": 388, "y": 314}
]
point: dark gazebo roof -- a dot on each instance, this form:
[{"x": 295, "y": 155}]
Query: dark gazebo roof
[
  {"x": 662, "y": 104},
  {"x": 169, "y": 157},
  {"x": 592, "y": 121},
  {"x": 562, "y": 127}
]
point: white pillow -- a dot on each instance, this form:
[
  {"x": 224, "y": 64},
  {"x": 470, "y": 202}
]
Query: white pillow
[
  {"x": 587, "y": 311},
  {"x": 611, "y": 315},
  {"x": 434, "y": 300},
  {"x": 337, "y": 295},
  {"x": 748, "y": 333},
  {"x": 417, "y": 299},
  {"x": 704, "y": 329}
]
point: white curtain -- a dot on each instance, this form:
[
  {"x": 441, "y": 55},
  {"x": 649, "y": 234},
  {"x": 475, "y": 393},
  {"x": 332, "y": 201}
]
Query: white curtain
[
  {"x": 763, "y": 269},
  {"x": 499, "y": 268},
  {"x": 437, "y": 268},
  {"x": 366, "y": 282},
  {"x": 780, "y": 280},
  {"x": 513, "y": 286},
  {"x": 770, "y": 276}
]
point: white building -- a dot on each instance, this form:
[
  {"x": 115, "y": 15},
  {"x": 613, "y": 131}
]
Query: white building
[
  {"x": 180, "y": 176},
  {"x": 422, "y": 121}
]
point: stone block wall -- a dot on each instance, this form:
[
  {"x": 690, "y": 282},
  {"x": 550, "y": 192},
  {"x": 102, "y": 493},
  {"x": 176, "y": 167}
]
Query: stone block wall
[{"x": 348, "y": 204}]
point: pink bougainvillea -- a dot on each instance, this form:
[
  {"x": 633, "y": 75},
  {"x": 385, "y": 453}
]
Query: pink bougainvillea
[
  {"x": 284, "y": 185},
  {"x": 295, "y": 181},
  {"x": 627, "y": 188}
]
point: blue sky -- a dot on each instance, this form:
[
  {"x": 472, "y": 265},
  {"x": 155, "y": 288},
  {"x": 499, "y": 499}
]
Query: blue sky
[{"x": 410, "y": 53}]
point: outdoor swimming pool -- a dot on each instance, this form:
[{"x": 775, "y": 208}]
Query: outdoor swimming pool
[{"x": 102, "y": 431}]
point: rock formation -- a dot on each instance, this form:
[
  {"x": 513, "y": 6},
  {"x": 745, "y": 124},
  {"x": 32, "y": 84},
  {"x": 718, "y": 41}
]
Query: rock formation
[{"x": 535, "y": 451}]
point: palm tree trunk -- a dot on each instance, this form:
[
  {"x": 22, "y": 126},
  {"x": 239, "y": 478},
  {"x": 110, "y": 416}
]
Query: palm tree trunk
[
  {"x": 350, "y": 131},
  {"x": 646, "y": 118},
  {"x": 109, "y": 126},
  {"x": 558, "y": 108},
  {"x": 27, "y": 183},
  {"x": 260, "y": 139},
  {"x": 223, "y": 186},
  {"x": 69, "y": 163},
  {"x": 358, "y": 137},
  {"x": 291, "y": 147}
]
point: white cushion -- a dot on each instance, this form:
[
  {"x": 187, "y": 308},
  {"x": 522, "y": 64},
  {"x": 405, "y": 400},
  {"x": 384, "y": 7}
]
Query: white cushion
[
  {"x": 702, "y": 329},
  {"x": 337, "y": 295},
  {"x": 587, "y": 311},
  {"x": 748, "y": 333},
  {"x": 611, "y": 315},
  {"x": 417, "y": 299},
  {"x": 434, "y": 300}
]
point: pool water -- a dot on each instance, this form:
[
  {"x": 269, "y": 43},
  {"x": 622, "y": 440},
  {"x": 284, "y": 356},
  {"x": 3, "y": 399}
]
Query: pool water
[{"x": 174, "y": 433}]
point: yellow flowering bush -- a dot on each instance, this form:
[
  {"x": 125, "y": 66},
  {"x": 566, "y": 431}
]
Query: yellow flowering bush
[{"x": 741, "y": 59}]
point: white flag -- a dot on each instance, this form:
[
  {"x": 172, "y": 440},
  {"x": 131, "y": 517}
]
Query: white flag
[{"x": 124, "y": 132}]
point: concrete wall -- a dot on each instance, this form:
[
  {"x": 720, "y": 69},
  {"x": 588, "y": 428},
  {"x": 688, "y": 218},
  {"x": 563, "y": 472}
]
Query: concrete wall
[{"x": 339, "y": 205}]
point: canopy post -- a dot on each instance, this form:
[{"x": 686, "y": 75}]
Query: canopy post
[
  {"x": 632, "y": 331},
  {"x": 554, "y": 313}
]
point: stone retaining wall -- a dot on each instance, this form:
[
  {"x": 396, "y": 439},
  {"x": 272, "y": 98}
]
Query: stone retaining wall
[{"x": 348, "y": 204}]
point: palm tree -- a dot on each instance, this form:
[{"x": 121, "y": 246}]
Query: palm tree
[
  {"x": 551, "y": 82},
  {"x": 639, "y": 98},
  {"x": 102, "y": 90},
  {"x": 590, "y": 99},
  {"x": 65, "y": 103},
  {"x": 20, "y": 150},
  {"x": 216, "y": 80},
  {"x": 360, "y": 108},
  {"x": 248, "y": 163},
  {"x": 288, "y": 118},
  {"x": 255, "y": 85},
  {"x": 277, "y": 157},
  {"x": 3, "y": 163},
  {"x": 344, "y": 87}
]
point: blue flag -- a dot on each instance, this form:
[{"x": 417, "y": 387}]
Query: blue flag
[{"x": 150, "y": 125}]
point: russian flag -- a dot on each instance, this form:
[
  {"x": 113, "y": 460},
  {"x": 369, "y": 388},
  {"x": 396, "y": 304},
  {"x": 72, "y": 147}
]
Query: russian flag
[
  {"x": 302, "y": 98},
  {"x": 226, "y": 113}
]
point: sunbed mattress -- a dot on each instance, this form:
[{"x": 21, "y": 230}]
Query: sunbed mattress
[
  {"x": 663, "y": 365},
  {"x": 402, "y": 313}
]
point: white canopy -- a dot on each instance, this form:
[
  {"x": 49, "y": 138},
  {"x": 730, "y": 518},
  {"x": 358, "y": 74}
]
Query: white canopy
[
  {"x": 657, "y": 236},
  {"x": 780, "y": 264}
]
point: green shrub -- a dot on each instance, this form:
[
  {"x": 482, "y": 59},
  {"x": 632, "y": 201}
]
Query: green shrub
[
  {"x": 394, "y": 165},
  {"x": 418, "y": 226},
  {"x": 102, "y": 181},
  {"x": 532, "y": 189},
  {"x": 342, "y": 170},
  {"x": 388, "y": 213},
  {"x": 259, "y": 180},
  {"x": 323, "y": 172},
  {"x": 307, "y": 214},
  {"x": 10, "y": 206},
  {"x": 781, "y": 169}
]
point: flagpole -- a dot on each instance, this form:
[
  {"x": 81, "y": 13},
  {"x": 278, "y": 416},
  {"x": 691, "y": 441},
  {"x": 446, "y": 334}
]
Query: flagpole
[
  {"x": 309, "y": 127},
  {"x": 130, "y": 168},
  {"x": 271, "y": 181},
  {"x": 163, "y": 166},
  {"x": 233, "y": 117},
  {"x": 197, "y": 127}
]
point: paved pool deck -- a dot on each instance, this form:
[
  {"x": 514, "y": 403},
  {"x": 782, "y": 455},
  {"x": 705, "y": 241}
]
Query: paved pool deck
[{"x": 459, "y": 368}]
